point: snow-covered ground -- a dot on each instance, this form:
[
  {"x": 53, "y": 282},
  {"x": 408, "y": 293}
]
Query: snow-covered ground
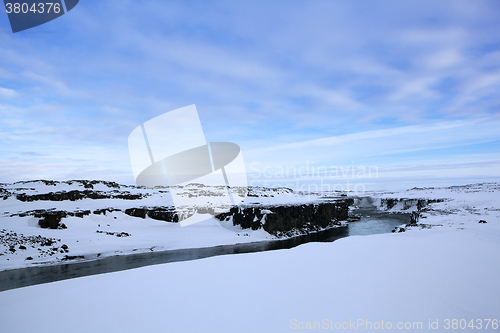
[
  {"x": 443, "y": 277},
  {"x": 462, "y": 208},
  {"x": 116, "y": 233},
  {"x": 98, "y": 235},
  {"x": 400, "y": 279}
]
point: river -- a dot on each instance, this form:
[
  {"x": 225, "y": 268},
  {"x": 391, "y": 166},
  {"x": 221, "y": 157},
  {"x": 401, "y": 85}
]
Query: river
[{"x": 371, "y": 222}]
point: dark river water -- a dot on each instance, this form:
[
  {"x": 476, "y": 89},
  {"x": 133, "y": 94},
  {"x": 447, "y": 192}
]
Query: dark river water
[
  {"x": 375, "y": 222},
  {"x": 371, "y": 222}
]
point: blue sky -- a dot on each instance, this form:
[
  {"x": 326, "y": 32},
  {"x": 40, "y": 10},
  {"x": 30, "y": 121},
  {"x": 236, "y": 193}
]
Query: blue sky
[{"x": 408, "y": 87}]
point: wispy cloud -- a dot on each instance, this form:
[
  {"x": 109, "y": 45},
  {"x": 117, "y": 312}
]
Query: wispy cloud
[
  {"x": 6, "y": 92},
  {"x": 410, "y": 152},
  {"x": 372, "y": 78}
]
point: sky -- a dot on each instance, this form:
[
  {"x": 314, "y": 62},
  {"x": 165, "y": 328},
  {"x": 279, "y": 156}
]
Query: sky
[{"x": 405, "y": 89}]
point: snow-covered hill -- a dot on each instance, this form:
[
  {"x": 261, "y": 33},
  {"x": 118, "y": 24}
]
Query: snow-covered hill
[
  {"x": 44, "y": 222},
  {"x": 473, "y": 207},
  {"x": 440, "y": 274},
  {"x": 91, "y": 219}
]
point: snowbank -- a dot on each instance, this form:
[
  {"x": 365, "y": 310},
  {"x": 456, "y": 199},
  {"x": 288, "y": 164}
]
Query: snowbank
[
  {"x": 413, "y": 278},
  {"x": 425, "y": 279}
]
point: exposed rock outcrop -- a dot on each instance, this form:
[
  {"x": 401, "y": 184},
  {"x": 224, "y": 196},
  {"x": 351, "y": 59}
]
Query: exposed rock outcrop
[
  {"x": 111, "y": 233},
  {"x": 77, "y": 195},
  {"x": 52, "y": 220},
  {"x": 285, "y": 220},
  {"x": 406, "y": 204},
  {"x": 167, "y": 214},
  {"x": 85, "y": 183},
  {"x": 105, "y": 210},
  {"x": 43, "y": 245}
]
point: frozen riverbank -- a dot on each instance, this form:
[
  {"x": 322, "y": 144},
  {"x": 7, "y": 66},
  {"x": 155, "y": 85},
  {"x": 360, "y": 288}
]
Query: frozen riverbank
[
  {"x": 106, "y": 226},
  {"x": 414, "y": 277},
  {"x": 50, "y": 222}
]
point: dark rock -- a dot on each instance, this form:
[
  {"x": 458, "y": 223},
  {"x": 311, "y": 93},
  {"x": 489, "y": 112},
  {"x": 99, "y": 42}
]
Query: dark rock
[
  {"x": 284, "y": 219},
  {"x": 104, "y": 210},
  {"x": 163, "y": 214},
  {"x": 82, "y": 213},
  {"x": 66, "y": 257},
  {"x": 414, "y": 216},
  {"x": 136, "y": 212},
  {"x": 76, "y": 195},
  {"x": 22, "y": 247},
  {"x": 389, "y": 203},
  {"x": 398, "y": 229},
  {"x": 482, "y": 221},
  {"x": 52, "y": 220},
  {"x": 29, "y": 258},
  {"x": 167, "y": 214},
  {"x": 117, "y": 234},
  {"x": 47, "y": 242}
]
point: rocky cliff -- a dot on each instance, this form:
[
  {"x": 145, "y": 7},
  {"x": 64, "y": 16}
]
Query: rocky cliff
[{"x": 289, "y": 220}]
